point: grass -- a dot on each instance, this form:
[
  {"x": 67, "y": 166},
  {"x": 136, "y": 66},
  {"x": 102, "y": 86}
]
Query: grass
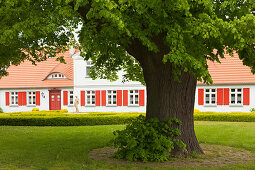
[{"x": 68, "y": 147}]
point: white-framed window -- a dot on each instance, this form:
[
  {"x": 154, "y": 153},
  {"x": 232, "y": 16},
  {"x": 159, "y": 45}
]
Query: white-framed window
[
  {"x": 31, "y": 98},
  {"x": 88, "y": 68},
  {"x": 133, "y": 97},
  {"x": 56, "y": 76},
  {"x": 70, "y": 97},
  {"x": 236, "y": 96},
  {"x": 210, "y": 96},
  {"x": 14, "y": 98},
  {"x": 111, "y": 98},
  {"x": 90, "y": 98}
]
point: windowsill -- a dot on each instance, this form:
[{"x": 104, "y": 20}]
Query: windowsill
[
  {"x": 90, "y": 105},
  {"x": 14, "y": 105},
  {"x": 31, "y": 105},
  {"x": 236, "y": 105},
  {"x": 111, "y": 105},
  {"x": 210, "y": 105},
  {"x": 133, "y": 105}
]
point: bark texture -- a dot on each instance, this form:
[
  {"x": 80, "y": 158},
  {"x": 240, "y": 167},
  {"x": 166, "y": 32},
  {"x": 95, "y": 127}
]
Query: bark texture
[{"x": 167, "y": 97}]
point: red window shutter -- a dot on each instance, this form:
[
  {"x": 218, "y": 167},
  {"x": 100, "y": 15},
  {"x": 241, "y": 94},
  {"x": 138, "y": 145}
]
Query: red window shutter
[
  {"x": 219, "y": 96},
  {"x": 246, "y": 96},
  {"x": 125, "y": 97},
  {"x": 82, "y": 98},
  {"x": 141, "y": 97},
  {"x": 200, "y": 96},
  {"x": 97, "y": 97},
  {"x": 37, "y": 97},
  {"x": 119, "y": 97},
  {"x": 65, "y": 97},
  {"x": 226, "y": 96},
  {"x": 24, "y": 98},
  {"x": 7, "y": 98},
  {"x": 20, "y": 98},
  {"x": 103, "y": 94}
]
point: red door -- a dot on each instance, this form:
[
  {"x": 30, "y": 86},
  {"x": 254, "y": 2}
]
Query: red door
[{"x": 55, "y": 100}]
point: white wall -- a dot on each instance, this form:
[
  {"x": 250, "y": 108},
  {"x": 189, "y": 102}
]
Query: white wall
[
  {"x": 227, "y": 108},
  {"x": 44, "y": 101}
]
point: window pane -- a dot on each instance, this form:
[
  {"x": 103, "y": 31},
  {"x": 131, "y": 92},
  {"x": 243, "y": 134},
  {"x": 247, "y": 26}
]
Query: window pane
[
  {"x": 239, "y": 98},
  {"x": 88, "y": 99},
  {"x": 93, "y": 99},
  {"x": 233, "y": 98},
  {"x": 114, "y": 99},
  {"x": 136, "y": 99},
  {"x": 206, "y": 90},
  {"x": 213, "y": 90},
  {"x": 131, "y": 99},
  {"x": 109, "y": 99},
  {"x": 239, "y": 90},
  {"x": 233, "y": 90}
]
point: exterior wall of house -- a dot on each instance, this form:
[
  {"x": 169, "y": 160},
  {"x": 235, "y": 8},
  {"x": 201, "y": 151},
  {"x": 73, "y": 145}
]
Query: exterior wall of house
[
  {"x": 42, "y": 105},
  {"x": 83, "y": 83},
  {"x": 248, "y": 99}
]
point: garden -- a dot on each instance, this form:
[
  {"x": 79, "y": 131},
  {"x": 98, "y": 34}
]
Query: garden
[{"x": 54, "y": 140}]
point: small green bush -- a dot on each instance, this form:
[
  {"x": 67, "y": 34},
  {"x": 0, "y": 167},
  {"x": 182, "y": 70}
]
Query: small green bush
[
  {"x": 147, "y": 140},
  {"x": 35, "y": 109},
  {"x": 64, "y": 110},
  {"x": 1, "y": 110},
  {"x": 252, "y": 110}
]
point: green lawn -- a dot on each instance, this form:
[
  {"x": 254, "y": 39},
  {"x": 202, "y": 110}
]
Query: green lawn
[{"x": 68, "y": 147}]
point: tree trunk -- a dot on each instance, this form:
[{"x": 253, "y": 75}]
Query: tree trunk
[{"x": 167, "y": 97}]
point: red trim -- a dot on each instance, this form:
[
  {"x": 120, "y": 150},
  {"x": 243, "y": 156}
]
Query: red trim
[
  {"x": 201, "y": 96},
  {"x": 82, "y": 98},
  {"x": 7, "y": 98},
  {"x": 24, "y": 103},
  {"x": 220, "y": 96},
  {"x": 119, "y": 97},
  {"x": 246, "y": 96},
  {"x": 97, "y": 97},
  {"x": 37, "y": 96},
  {"x": 141, "y": 97},
  {"x": 103, "y": 95},
  {"x": 65, "y": 97},
  {"x": 226, "y": 96},
  {"x": 125, "y": 97},
  {"x": 20, "y": 98}
]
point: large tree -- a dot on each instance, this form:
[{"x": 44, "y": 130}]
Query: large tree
[{"x": 162, "y": 43}]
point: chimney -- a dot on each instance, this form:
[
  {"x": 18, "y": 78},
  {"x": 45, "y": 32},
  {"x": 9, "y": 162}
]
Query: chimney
[{"x": 71, "y": 51}]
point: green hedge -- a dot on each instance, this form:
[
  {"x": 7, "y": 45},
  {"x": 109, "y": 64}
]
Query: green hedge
[
  {"x": 50, "y": 118},
  {"x": 228, "y": 117}
]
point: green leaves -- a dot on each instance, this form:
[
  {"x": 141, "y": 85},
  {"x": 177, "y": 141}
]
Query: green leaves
[{"x": 148, "y": 140}]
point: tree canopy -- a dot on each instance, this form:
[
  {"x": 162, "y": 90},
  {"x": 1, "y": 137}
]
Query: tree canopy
[{"x": 186, "y": 32}]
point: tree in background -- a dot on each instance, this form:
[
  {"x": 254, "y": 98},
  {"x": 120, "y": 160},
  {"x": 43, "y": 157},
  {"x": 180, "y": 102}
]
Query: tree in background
[{"x": 162, "y": 43}]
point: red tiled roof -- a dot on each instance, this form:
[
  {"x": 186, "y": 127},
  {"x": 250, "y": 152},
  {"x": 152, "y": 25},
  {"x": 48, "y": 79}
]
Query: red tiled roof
[
  {"x": 27, "y": 75},
  {"x": 230, "y": 71}
]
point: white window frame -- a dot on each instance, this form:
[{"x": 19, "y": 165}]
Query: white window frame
[
  {"x": 32, "y": 98},
  {"x": 210, "y": 93},
  {"x": 69, "y": 98},
  {"x": 91, "y": 97},
  {"x": 110, "y": 93},
  {"x": 133, "y": 94},
  {"x": 56, "y": 76},
  {"x": 16, "y": 100},
  {"x": 88, "y": 65},
  {"x": 236, "y": 94}
]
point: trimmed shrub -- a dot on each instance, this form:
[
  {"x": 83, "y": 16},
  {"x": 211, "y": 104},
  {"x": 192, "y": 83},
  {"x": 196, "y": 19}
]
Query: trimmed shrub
[
  {"x": 64, "y": 110},
  {"x": 1, "y": 110},
  {"x": 196, "y": 110},
  {"x": 133, "y": 144},
  {"x": 35, "y": 109}
]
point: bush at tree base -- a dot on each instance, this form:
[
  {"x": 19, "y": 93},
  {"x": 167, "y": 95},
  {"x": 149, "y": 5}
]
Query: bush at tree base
[{"x": 148, "y": 139}]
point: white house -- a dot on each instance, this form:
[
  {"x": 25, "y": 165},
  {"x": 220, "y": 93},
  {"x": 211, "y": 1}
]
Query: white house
[{"x": 53, "y": 86}]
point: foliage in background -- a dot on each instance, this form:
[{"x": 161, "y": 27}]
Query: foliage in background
[
  {"x": 148, "y": 140},
  {"x": 252, "y": 110}
]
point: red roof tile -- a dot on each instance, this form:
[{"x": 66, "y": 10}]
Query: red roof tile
[
  {"x": 27, "y": 75},
  {"x": 230, "y": 71}
]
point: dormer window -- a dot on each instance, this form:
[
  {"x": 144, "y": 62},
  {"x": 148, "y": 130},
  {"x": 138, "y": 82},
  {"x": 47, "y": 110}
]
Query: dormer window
[{"x": 56, "y": 76}]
